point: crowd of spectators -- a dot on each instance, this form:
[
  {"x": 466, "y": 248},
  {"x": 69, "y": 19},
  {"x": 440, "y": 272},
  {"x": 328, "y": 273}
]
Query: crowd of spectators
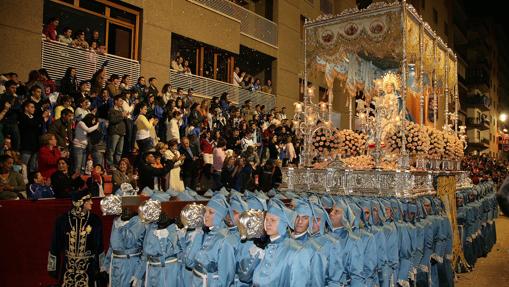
[
  {"x": 248, "y": 82},
  {"x": 240, "y": 79},
  {"x": 55, "y": 132},
  {"x": 93, "y": 43},
  {"x": 483, "y": 167}
]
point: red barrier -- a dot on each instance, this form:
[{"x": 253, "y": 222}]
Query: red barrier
[{"x": 26, "y": 230}]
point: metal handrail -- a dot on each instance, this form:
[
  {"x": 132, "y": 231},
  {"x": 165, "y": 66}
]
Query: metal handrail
[
  {"x": 57, "y": 57},
  {"x": 214, "y": 88},
  {"x": 251, "y": 23}
]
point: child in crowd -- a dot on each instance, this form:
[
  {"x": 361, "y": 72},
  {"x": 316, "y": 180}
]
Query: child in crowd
[
  {"x": 95, "y": 182},
  {"x": 39, "y": 187}
]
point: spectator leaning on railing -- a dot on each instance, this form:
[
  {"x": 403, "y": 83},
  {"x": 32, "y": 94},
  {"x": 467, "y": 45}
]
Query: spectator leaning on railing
[
  {"x": 79, "y": 41},
  {"x": 66, "y": 38},
  {"x": 50, "y": 29}
]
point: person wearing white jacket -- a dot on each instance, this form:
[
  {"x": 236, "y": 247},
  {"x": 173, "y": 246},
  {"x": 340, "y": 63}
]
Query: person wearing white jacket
[
  {"x": 80, "y": 142},
  {"x": 172, "y": 129}
]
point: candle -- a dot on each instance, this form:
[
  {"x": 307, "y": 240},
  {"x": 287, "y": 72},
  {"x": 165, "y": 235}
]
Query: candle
[{"x": 298, "y": 107}]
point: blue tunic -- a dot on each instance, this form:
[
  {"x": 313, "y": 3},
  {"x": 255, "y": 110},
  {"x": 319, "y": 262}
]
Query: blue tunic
[
  {"x": 285, "y": 264},
  {"x": 392, "y": 246},
  {"x": 190, "y": 241},
  {"x": 161, "y": 249},
  {"x": 123, "y": 260},
  {"x": 248, "y": 257},
  {"x": 368, "y": 247},
  {"x": 321, "y": 250},
  {"x": 346, "y": 263},
  {"x": 214, "y": 263}
]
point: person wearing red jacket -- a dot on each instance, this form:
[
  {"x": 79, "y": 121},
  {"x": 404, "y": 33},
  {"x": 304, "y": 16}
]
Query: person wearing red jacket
[
  {"x": 48, "y": 155},
  {"x": 50, "y": 30}
]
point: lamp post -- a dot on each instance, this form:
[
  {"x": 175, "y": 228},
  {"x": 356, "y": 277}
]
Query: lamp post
[{"x": 307, "y": 120}]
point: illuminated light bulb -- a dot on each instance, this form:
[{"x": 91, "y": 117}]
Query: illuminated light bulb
[{"x": 298, "y": 107}]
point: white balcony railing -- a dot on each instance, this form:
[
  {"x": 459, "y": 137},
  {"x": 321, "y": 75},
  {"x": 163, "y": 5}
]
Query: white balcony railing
[
  {"x": 213, "y": 88},
  {"x": 251, "y": 23},
  {"x": 57, "y": 57}
]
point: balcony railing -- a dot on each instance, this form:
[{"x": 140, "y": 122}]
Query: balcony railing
[
  {"x": 479, "y": 123},
  {"x": 251, "y": 23},
  {"x": 57, "y": 57},
  {"x": 478, "y": 101},
  {"x": 213, "y": 88}
]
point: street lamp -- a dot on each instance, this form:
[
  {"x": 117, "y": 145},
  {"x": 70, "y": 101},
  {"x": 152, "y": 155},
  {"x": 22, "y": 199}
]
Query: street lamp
[{"x": 502, "y": 117}]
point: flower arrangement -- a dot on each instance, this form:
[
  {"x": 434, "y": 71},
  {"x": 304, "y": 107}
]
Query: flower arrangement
[
  {"x": 325, "y": 140},
  {"x": 351, "y": 143},
  {"x": 417, "y": 139},
  {"x": 437, "y": 144},
  {"x": 453, "y": 147},
  {"x": 359, "y": 162}
]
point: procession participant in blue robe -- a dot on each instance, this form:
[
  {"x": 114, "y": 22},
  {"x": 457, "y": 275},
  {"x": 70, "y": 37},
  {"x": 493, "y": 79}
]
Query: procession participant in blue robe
[
  {"x": 324, "y": 246},
  {"x": 445, "y": 269},
  {"x": 190, "y": 238},
  {"x": 416, "y": 236},
  {"x": 376, "y": 228},
  {"x": 392, "y": 241},
  {"x": 369, "y": 247},
  {"x": 286, "y": 262},
  {"x": 302, "y": 234},
  {"x": 423, "y": 277},
  {"x": 379, "y": 238},
  {"x": 251, "y": 249},
  {"x": 405, "y": 245},
  {"x": 345, "y": 267},
  {"x": 161, "y": 249},
  {"x": 237, "y": 206},
  {"x": 214, "y": 263},
  {"x": 123, "y": 261},
  {"x": 302, "y": 226},
  {"x": 255, "y": 202},
  {"x": 435, "y": 258}
]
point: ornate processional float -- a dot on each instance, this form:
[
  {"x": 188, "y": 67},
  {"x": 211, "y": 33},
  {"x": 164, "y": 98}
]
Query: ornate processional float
[{"x": 400, "y": 79}]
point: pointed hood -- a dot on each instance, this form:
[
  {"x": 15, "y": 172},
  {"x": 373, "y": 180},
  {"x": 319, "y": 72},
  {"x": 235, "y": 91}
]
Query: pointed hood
[
  {"x": 219, "y": 203},
  {"x": 286, "y": 215}
]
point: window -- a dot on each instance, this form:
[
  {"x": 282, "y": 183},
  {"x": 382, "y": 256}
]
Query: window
[
  {"x": 435, "y": 16},
  {"x": 93, "y": 6},
  {"x": 122, "y": 15}
]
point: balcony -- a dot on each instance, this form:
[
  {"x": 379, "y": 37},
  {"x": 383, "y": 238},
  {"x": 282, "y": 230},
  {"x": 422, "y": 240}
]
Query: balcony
[
  {"x": 478, "y": 100},
  {"x": 208, "y": 88},
  {"x": 479, "y": 76},
  {"x": 251, "y": 24},
  {"x": 478, "y": 123},
  {"x": 57, "y": 57},
  {"x": 478, "y": 144}
]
